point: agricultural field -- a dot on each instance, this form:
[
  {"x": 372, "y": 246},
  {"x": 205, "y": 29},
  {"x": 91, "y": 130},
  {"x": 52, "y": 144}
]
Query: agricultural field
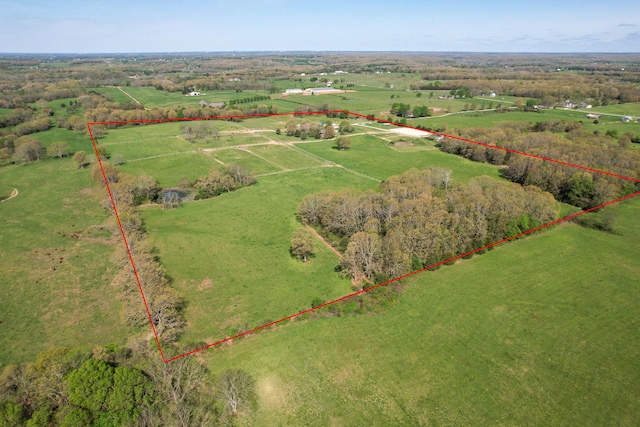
[
  {"x": 490, "y": 119},
  {"x": 229, "y": 256},
  {"x": 54, "y": 247},
  {"x": 541, "y": 330},
  {"x": 544, "y": 332}
]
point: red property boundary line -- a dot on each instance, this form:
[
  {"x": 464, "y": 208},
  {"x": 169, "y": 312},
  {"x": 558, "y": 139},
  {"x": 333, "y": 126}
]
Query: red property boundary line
[{"x": 396, "y": 279}]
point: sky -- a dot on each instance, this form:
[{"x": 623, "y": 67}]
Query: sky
[{"x": 119, "y": 26}]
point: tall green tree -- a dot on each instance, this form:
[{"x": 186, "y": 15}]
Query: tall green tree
[
  {"x": 343, "y": 143},
  {"x": 302, "y": 243},
  {"x": 80, "y": 159},
  {"x": 329, "y": 131},
  {"x": 58, "y": 149}
]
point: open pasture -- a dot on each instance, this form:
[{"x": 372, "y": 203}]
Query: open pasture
[
  {"x": 371, "y": 155},
  {"x": 55, "y": 256},
  {"x": 150, "y": 97},
  {"x": 543, "y": 329},
  {"x": 229, "y": 256}
]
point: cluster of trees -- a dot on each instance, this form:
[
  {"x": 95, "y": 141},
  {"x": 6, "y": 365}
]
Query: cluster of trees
[
  {"x": 551, "y": 89},
  {"x": 16, "y": 117},
  {"x": 313, "y": 129},
  {"x": 32, "y": 126},
  {"x": 248, "y": 99},
  {"x": 29, "y": 149},
  {"x": 17, "y": 94},
  {"x": 422, "y": 217},
  {"x": 405, "y": 110},
  {"x": 165, "y": 305},
  {"x": 118, "y": 386},
  {"x": 25, "y": 148},
  {"x": 577, "y": 187},
  {"x": 203, "y": 131},
  {"x": 226, "y": 179}
]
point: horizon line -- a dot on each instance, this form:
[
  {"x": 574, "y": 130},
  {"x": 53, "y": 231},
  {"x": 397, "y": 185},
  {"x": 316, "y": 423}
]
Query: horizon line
[{"x": 233, "y": 52}]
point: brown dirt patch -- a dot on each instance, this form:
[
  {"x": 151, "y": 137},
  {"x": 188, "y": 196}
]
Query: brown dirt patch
[
  {"x": 205, "y": 284},
  {"x": 324, "y": 242},
  {"x": 404, "y": 144},
  {"x": 273, "y": 393}
]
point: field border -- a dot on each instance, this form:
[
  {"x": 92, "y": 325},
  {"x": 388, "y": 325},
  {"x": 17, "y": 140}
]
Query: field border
[{"x": 396, "y": 279}]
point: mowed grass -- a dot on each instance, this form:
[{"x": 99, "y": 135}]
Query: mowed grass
[
  {"x": 77, "y": 141},
  {"x": 171, "y": 168},
  {"x": 54, "y": 288},
  {"x": 229, "y": 256},
  {"x": 371, "y": 156},
  {"x": 285, "y": 156},
  {"x": 114, "y": 94},
  {"x": 245, "y": 158},
  {"x": 150, "y": 97},
  {"x": 490, "y": 119},
  {"x": 630, "y": 109},
  {"x": 541, "y": 331}
]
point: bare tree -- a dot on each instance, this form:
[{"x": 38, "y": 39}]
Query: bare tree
[
  {"x": 236, "y": 390},
  {"x": 58, "y": 149}
]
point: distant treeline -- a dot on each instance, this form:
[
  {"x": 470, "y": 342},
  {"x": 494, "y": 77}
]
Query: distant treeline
[{"x": 577, "y": 146}]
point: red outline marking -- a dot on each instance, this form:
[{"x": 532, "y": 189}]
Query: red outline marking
[{"x": 396, "y": 279}]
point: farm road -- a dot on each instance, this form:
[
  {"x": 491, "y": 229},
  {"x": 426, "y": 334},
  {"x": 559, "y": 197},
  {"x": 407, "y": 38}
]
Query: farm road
[{"x": 130, "y": 96}]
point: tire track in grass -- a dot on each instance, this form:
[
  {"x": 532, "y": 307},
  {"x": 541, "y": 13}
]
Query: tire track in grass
[{"x": 329, "y": 162}]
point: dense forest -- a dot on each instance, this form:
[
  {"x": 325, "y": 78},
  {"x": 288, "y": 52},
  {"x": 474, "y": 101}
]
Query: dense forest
[{"x": 119, "y": 386}]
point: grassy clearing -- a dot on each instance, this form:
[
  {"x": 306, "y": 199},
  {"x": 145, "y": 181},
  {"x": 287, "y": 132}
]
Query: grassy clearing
[
  {"x": 170, "y": 169},
  {"x": 114, "y": 94},
  {"x": 152, "y": 98},
  {"x": 490, "y": 119},
  {"x": 540, "y": 331},
  {"x": 285, "y": 156},
  {"x": 157, "y": 147},
  {"x": 77, "y": 141},
  {"x": 55, "y": 288},
  {"x": 230, "y": 257},
  {"x": 371, "y": 156},
  {"x": 247, "y": 159},
  {"x": 622, "y": 109}
]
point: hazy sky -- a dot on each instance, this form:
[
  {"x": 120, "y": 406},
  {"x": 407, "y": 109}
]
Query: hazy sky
[{"x": 91, "y": 26}]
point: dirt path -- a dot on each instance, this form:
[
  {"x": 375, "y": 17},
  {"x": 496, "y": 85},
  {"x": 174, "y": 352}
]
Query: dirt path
[
  {"x": 130, "y": 96},
  {"x": 324, "y": 242},
  {"x": 14, "y": 193}
]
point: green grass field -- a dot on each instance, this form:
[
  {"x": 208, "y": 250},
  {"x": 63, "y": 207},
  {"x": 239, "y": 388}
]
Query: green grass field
[
  {"x": 541, "y": 331},
  {"x": 55, "y": 271},
  {"x": 371, "y": 156},
  {"x": 152, "y": 98},
  {"x": 114, "y": 94},
  {"x": 490, "y": 119},
  {"x": 622, "y": 109},
  {"x": 229, "y": 256}
]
